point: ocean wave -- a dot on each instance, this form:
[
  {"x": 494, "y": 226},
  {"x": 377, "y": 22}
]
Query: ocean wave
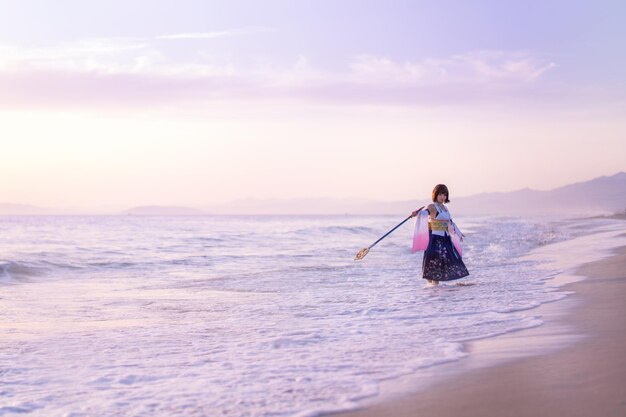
[
  {"x": 15, "y": 271},
  {"x": 27, "y": 271},
  {"x": 290, "y": 307},
  {"x": 206, "y": 239},
  {"x": 359, "y": 230},
  {"x": 113, "y": 264}
]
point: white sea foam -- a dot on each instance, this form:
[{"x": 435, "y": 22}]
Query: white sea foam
[{"x": 244, "y": 316}]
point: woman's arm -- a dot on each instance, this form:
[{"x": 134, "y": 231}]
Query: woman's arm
[
  {"x": 432, "y": 211},
  {"x": 456, "y": 229}
]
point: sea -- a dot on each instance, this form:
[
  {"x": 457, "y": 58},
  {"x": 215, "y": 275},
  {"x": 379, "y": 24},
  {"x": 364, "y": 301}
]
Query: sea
[{"x": 260, "y": 316}]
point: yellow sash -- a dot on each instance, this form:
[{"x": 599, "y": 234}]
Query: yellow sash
[{"x": 441, "y": 225}]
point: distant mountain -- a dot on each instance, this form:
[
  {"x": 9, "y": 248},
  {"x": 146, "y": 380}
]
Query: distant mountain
[
  {"x": 602, "y": 195},
  {"x": 163, "y": 211},
  {"x": 7, "y": 209},
  {"x": 599, "y": 196},
  {"x": 301, "y": 206}
]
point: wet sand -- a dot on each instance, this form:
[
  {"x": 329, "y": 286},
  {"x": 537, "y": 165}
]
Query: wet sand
[{"x": 585, "y": 377}]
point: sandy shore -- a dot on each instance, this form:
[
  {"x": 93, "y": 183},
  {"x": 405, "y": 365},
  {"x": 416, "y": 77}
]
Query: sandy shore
[{"x": 583, "y": 378}]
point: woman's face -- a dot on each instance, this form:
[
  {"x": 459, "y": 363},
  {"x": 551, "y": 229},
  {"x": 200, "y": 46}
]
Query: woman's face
[{"x": 441, "y": 198}]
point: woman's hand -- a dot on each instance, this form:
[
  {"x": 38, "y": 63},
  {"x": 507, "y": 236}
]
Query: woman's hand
[{"x": 417, "y": 211}]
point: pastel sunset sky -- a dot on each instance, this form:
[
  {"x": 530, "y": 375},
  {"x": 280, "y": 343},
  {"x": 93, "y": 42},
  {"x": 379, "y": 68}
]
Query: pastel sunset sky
[{"x": 121, "y": 103}]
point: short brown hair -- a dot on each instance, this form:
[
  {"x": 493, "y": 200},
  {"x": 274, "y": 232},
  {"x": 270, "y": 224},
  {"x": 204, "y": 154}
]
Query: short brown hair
[{"x": 441, "y": 189}]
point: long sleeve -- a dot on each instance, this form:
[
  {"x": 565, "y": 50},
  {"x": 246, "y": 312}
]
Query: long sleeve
[
  {"x": 455, "y": 236},
  {"x": 420, "y": 233},
  {"x": 456, "y": 229}
]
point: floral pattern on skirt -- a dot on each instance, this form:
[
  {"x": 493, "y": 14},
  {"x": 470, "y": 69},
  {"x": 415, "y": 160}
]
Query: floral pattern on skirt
[{"x": 441, "y": 260}]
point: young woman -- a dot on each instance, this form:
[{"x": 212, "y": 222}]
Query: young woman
[{"x": 436, "y": 233}]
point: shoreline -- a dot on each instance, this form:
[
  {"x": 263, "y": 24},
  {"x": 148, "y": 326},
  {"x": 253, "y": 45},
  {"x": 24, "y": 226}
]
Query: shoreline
[{"x": 551, "y": 368}]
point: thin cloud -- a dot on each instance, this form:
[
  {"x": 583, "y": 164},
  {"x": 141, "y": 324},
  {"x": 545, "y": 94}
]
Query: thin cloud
[
  {"x": 505, "y": 65},
  {"x": 213, "y": 35},
  {"x": 197, "y": 35},
  {"x": 136, "y": 72},
  {"x": 105, "y": 55},
  {"x": 471, "y": 68}
]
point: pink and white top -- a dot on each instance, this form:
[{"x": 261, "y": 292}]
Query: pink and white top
[
  {"x": 421, "y": 235},
  {"x": 441, "y": 215}
]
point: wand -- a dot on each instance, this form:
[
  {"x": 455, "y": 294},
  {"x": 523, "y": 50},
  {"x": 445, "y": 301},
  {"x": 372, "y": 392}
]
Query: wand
[{"x": 364, "y": 251}]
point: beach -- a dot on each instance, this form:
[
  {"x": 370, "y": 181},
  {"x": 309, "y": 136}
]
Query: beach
[
  {"x": 581, "y": 376},
  {"x": 180, "y": 316}
]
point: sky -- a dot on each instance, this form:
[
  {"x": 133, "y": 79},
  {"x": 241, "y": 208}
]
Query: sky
[{"x": 124, "y": 103}]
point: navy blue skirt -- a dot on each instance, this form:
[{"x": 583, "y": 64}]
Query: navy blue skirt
[{"x": 441, "y": 261}]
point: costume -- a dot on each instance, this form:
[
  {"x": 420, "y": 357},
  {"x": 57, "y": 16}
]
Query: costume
[{"x": 441, "y": 240}]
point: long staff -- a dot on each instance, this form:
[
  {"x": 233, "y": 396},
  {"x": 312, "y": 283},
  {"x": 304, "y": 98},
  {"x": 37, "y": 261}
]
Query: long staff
[{"x": 364, "y": 251}]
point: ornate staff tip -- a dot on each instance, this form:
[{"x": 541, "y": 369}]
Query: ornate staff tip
[{"x": 361, "y": 254}]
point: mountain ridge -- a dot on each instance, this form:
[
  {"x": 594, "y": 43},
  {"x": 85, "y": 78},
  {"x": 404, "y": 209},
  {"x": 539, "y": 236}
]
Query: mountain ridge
[{"x": 601, "y": 195}]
